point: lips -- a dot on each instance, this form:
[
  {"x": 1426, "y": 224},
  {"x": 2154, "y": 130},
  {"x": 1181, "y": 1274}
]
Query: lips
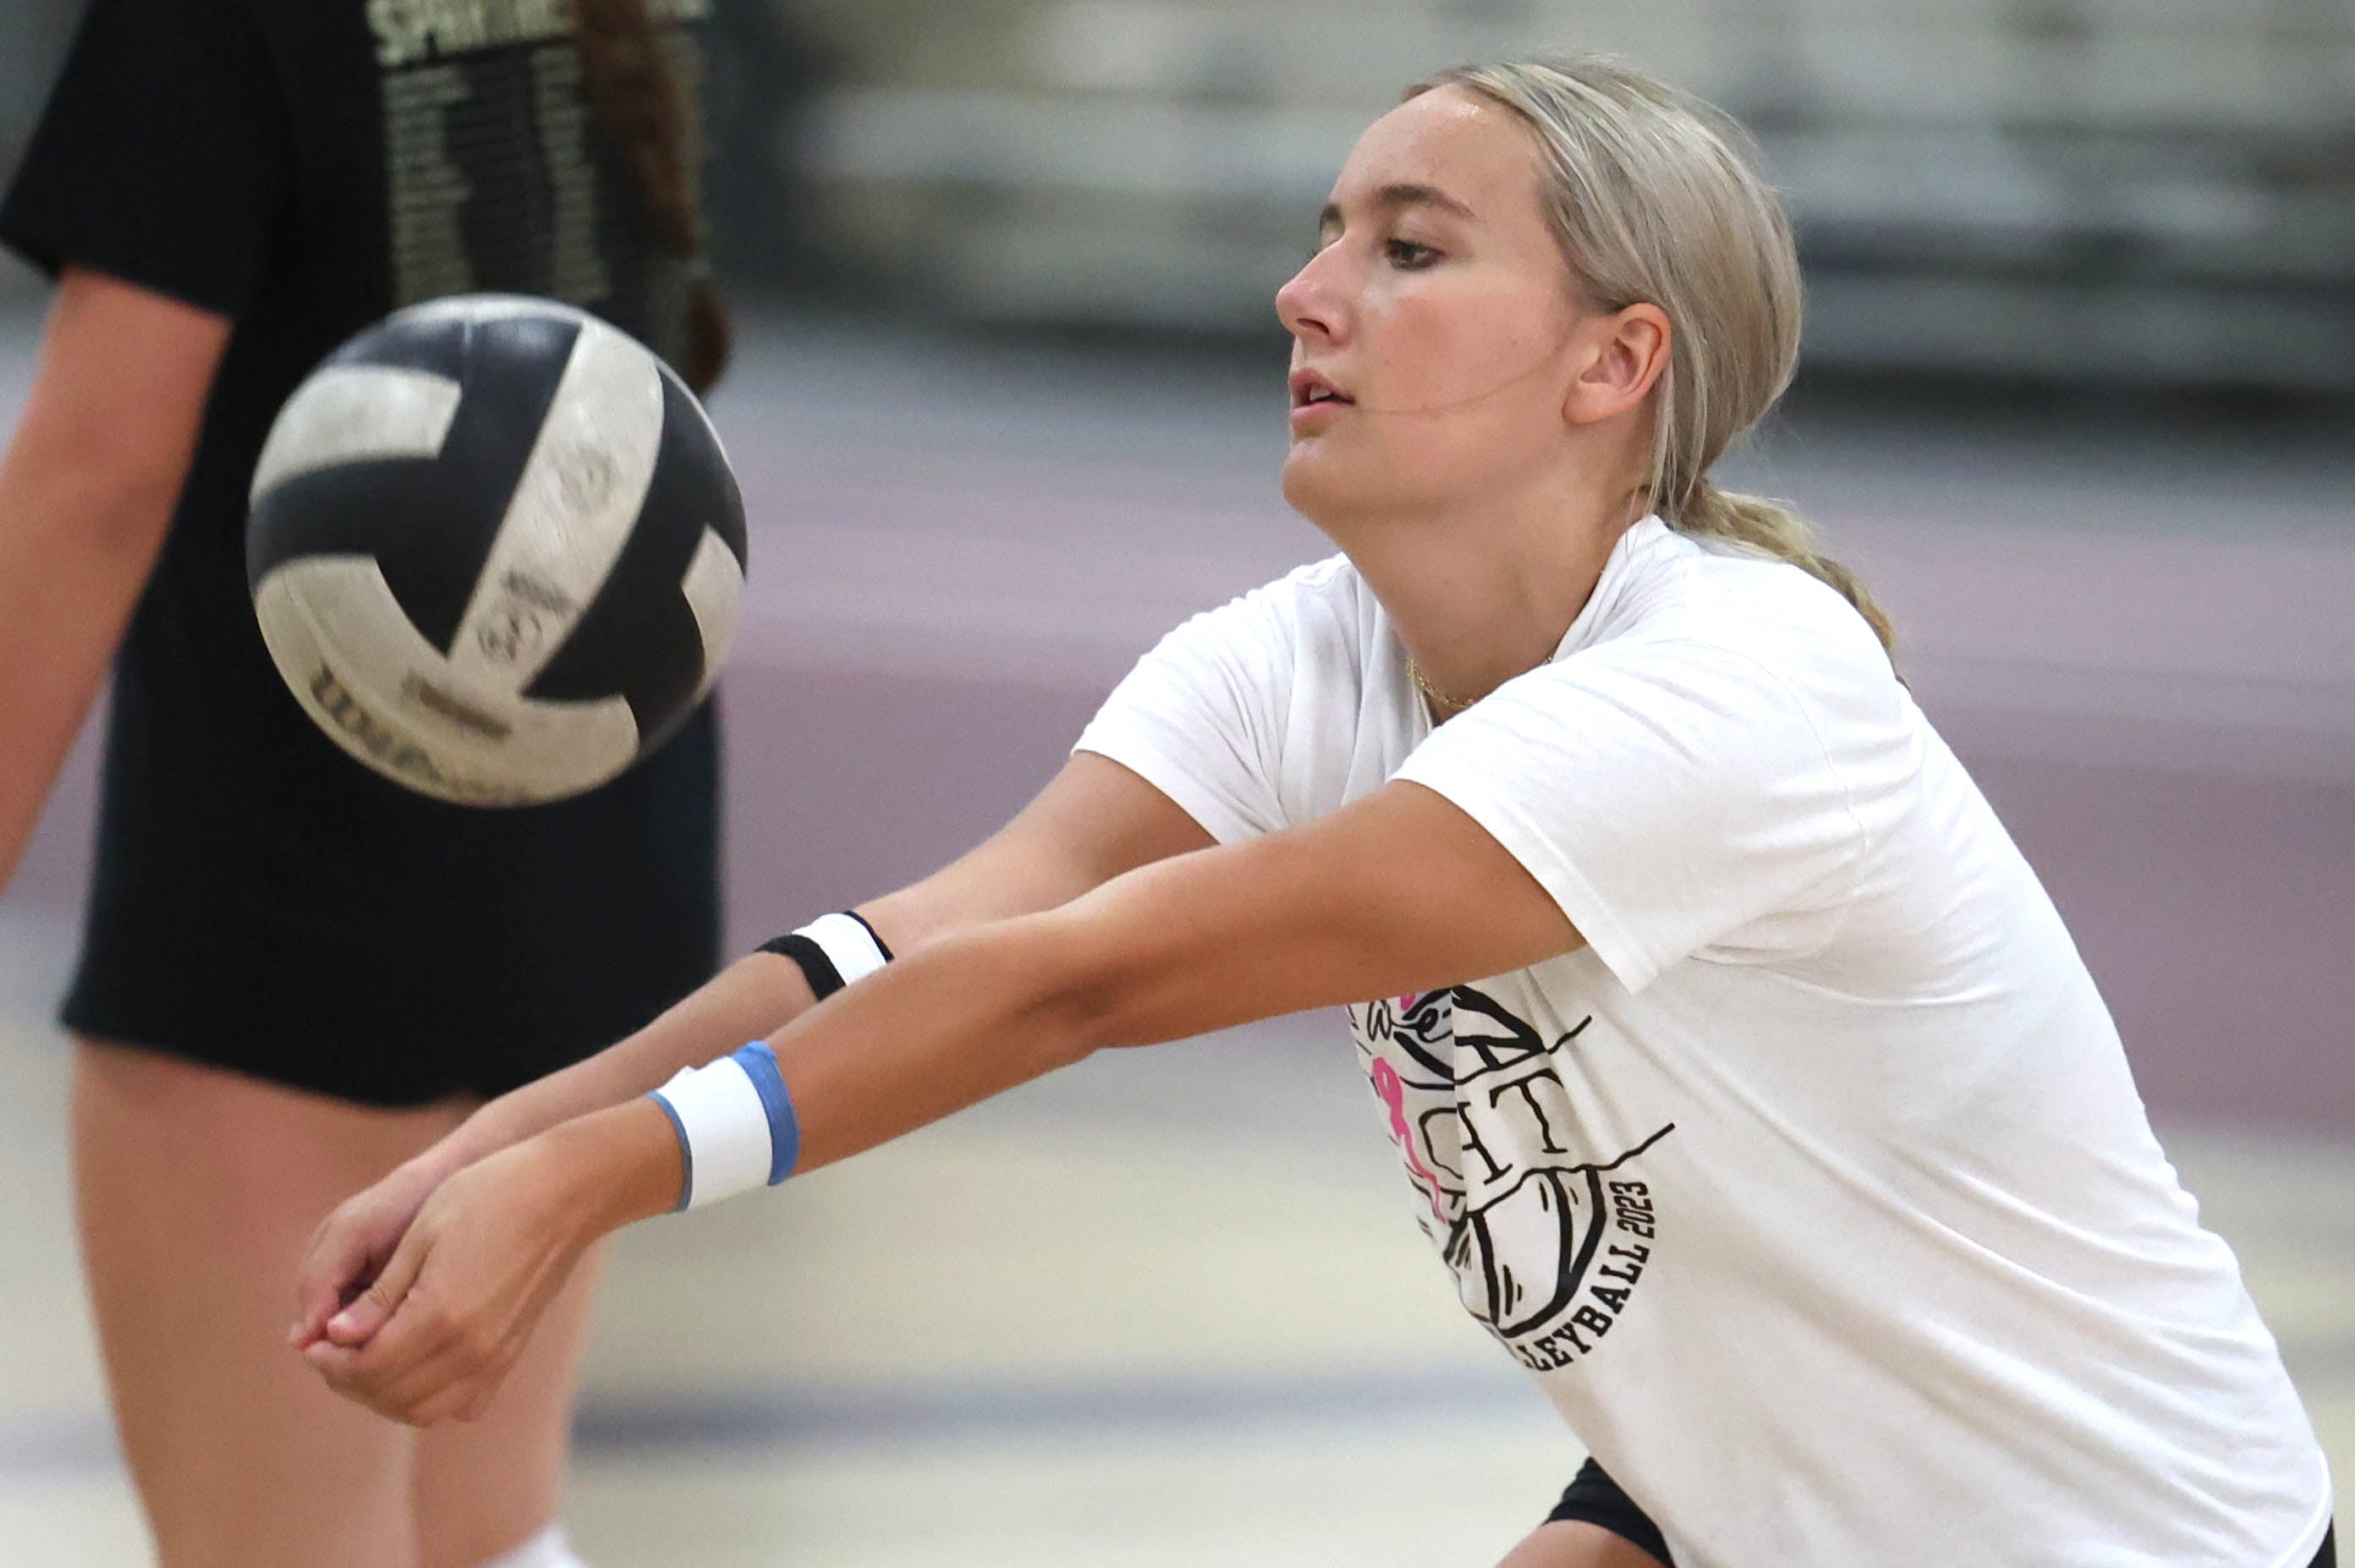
[{"x": 1310, "y": 390}]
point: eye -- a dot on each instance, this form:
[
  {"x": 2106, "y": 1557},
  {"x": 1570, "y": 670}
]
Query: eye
[{"x": 1408, "y": 256}]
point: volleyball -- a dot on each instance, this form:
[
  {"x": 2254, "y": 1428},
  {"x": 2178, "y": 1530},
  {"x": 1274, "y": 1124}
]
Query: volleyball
[{"x": 496, "y": 549}]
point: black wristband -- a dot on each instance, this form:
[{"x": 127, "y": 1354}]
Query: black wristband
[
  {"x": 823, "y": 979},
  {"x": 808, "y": 948}
]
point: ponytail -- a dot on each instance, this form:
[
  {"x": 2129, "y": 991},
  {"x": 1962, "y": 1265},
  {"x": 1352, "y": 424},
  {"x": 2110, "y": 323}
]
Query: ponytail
[
  {"x": 1769, "y": 530},
  {"x": 1654, "y": 195},
  {"x": 635, "y": 99}
]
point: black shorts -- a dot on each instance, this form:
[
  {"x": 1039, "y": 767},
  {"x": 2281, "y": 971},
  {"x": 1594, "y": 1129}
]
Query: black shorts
[
  {"x": 1594, "y": 1498},
  {"x": 261, "y": 902}
]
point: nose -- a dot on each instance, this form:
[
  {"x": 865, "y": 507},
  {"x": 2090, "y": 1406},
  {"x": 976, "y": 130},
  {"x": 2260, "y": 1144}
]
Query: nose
[{"x": 1310, "y": 305}]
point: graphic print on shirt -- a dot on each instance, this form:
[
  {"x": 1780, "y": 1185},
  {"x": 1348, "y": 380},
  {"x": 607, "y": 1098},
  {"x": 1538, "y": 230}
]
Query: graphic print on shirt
[
  {"x": 1548, "y": 1237},
  {"x": 499, "y": 181}
]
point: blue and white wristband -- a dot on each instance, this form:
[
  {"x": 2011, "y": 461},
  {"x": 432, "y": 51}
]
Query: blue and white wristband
[{"x": 735, "y": 1124}]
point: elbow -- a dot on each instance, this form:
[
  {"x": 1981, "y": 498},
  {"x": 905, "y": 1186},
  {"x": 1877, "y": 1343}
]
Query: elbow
[
  {"x": 1096, "y": 992},
  {"x": 1077, "y": 1015},
  {"x": 1055, "y": 1003},
  {"x": 99, "y": 509},
  {"x": 129, "y": 508}
]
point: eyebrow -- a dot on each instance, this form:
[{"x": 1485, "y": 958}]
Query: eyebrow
[{"x": 1392, "y": 197}]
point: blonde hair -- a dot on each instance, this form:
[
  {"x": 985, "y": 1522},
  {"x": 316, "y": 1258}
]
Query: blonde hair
[{"x": 1655, "y": 196}]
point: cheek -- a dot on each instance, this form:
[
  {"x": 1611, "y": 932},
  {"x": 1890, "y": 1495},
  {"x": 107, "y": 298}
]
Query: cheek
[
  {"x": 1469, "y": 394},
  {"x": 1439, "y": 349},
  {"x": 1458, "y": 392}
]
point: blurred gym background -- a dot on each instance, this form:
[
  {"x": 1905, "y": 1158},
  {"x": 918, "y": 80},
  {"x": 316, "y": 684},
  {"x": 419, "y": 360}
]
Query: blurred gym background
[{"x": 2079, "y": 401}]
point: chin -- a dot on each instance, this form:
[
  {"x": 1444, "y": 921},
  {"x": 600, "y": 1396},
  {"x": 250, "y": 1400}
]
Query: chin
[
  {"x": 1337, "y": 489},
  {"x": 1317, "y": 487}
]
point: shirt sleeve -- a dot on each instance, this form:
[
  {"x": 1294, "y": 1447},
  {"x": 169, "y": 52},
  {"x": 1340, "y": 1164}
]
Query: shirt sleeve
[
  {"x": 1669, "y": 793},
  {"x": 1201, "y": 716},
  {"x": 162, "y": 156}
]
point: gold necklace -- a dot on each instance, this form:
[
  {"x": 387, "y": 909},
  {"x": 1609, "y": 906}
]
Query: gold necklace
[{"x": 1453, "y": 705}]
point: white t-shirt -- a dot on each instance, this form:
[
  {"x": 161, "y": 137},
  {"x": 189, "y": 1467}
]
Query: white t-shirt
[{"x": 1815, "y": 1188}]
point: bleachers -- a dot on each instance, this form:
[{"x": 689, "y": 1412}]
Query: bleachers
[{"x": 2161, "y": 189}]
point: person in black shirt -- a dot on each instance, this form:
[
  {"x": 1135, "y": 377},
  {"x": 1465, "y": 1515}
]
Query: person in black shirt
[{"x": 295, "y": 974}]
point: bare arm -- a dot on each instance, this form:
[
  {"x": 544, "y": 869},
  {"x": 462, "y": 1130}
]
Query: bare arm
[
  {"x": 1399, "y": 892},
  {"x": 87, "y": 491},
  {"x": 1094, "y": 821}
]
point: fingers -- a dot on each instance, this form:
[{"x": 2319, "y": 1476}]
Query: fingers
[
  {"x": 349, "y": 1248},
  {"x": 360, "y": 1322},
  {"x": 398, "y": 1372},
  {"x": 331, "y": 1269},
  {"x": 408, "y": 1350},
  {"x": 395, "y": 1348},
  {"x": 342, "y": 1255},
  {"x": 428, "y": 1366},
  {"x": 433, "y": 1333}
]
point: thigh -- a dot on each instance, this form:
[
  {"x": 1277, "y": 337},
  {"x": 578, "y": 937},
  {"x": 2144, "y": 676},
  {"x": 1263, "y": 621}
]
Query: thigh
[
  {"x": 1562, "y": 1543},
  {"x": 196, "y": 1190},
  {"x": 486, "y": 1486},
  {"x": 1595, "y": 1525},
  {"x": 1575, "y": 1544}
]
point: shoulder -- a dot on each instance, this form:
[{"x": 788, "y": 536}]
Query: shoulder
[
  {"x": 1322, "y": 607},
  {"x": 1743, "y": 656},
  {"x": 1712, "y": 603},
  {"x": 1327, "y": 590}
]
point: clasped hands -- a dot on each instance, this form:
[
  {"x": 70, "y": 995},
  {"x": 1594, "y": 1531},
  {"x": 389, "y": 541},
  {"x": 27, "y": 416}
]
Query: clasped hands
[{"x": 415, "y": 1297}]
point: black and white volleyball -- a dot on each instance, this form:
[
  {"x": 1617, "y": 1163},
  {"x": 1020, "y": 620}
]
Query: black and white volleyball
[{"x": 496, "y": 549}]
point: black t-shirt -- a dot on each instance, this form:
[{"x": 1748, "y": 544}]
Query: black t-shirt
[{"x": 304, "y": 167}]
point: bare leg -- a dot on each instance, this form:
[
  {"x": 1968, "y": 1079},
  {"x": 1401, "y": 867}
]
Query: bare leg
[
  {"x": 1575, "y": 1544},
  {"x": 196, "y": 1190},
  {"x": 484, "y": 1488}
]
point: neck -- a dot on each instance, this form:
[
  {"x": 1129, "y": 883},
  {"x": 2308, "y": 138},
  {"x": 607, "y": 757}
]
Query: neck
[{"x": 1483, "y": 596}]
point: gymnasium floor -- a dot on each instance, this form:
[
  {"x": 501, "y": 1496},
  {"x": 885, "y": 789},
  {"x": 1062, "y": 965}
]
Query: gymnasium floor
[{"x": 1169, "y": 1309}]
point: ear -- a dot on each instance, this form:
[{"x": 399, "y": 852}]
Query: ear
[{"x": 1626, "y": 352}]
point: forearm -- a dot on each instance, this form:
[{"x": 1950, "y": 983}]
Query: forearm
[
  {"x": 943, "y": 1028},
  {"x": 1311, "y": 917},
  {"x": 624, "y": 1167},
  {"x": 87, "y": 491},
  {"x": 1095, "y": 821},
  {"x": 750, "y": 998},
  {"x": 72, "y": 562},
  {"x": 958, "y": 1023}
]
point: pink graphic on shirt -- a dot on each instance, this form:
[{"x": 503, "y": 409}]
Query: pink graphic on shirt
[{"x": 1393, "y": 1093}]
